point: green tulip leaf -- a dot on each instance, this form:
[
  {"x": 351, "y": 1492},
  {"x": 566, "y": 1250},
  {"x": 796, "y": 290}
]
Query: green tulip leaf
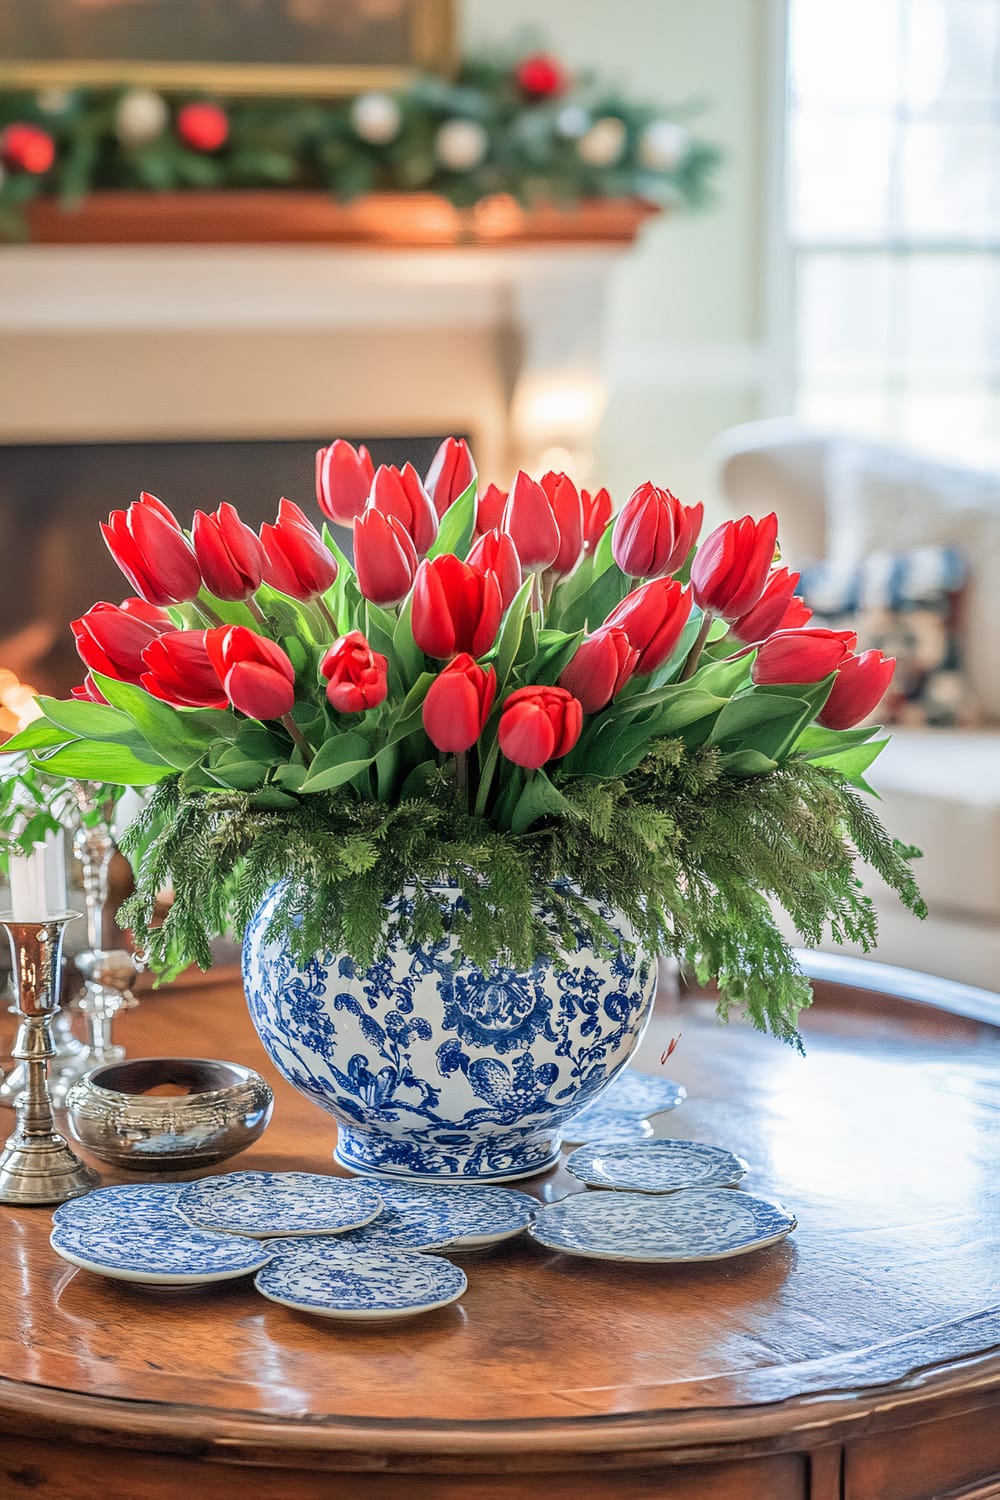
[
  {"x": 554, "y": 652},
  {"x": 741, "y": 763},
  {"x": 178, "y": 736},
  {"x": 405, "y": 652},
  {"x": 507, "y": 648},
  {"x": 88, "y": 721},
  {"x": 539, "y": 799},
  {"x": 40, "y": 734},
  {"x": 116, "y": 764},
  {"x": 853, "y": 761},
  {"x": 457, "y": 525},
  {"x": 338, "y": 760}
]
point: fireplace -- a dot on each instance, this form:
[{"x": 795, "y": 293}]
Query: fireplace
[{"x": 52, "y": 497}]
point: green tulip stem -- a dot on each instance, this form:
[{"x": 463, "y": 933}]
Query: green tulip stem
[
  {"x": 208, "y": 613},
  {"x": 256, "y": 611},
  {"x": 325, "y": 611},
  {"x": 298, "y": 737},
  {"x": 694, "y": 655},
  {"x": 462, "y": 778},
  {"x": 536, "y": 593}
]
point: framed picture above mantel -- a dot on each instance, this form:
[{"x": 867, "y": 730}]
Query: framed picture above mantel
[{"x": 310, "y": 47}]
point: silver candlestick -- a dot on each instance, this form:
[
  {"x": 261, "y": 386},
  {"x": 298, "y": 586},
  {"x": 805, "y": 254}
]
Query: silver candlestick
[
  {"x": 108, "y": 973},
  {"x": 37, "y": 1165}
]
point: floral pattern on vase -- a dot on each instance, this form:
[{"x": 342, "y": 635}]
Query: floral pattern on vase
[{"x": 436, "y": 1070}]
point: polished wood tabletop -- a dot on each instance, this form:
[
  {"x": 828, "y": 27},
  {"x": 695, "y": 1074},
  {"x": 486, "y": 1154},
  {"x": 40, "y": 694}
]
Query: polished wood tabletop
[{"x": 859, "y": 1358}]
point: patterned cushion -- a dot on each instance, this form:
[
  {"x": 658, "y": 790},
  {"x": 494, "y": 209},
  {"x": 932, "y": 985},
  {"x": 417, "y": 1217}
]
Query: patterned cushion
[{"x": 908, "y": 604}]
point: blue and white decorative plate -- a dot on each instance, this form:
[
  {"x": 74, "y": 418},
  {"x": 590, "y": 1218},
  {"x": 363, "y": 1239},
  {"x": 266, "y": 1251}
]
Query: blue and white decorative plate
[
  {"x": 656, "y": 1166},
  {"x": 368, "y": 1284},
  {"x": 694, "y": 1225},
  {"x": 157, "y": 1256},
  {"x": 153, "y": 1204},
  {"x": 621, "y": 1113},
  {"x": 261, "y": 1204},
  {"x": 463, "y": 1218}
]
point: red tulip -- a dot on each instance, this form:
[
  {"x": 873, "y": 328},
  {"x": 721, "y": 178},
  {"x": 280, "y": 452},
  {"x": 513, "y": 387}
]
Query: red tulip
[
  {"x": 529, "y": 519},
  {"x": 399, "y": 493},
  {"x": 597, "y": 509},
  {"x": 539, "y": 724},
  {"x": 490, "y": 505},
  {"x": 111, "y": 639},
  {"x": 450, "y": 474},
  {"x": 796, "y": 615},
  {"x": 652, "y": 617},
  {"x": 654, "y": 532},
  {"x": 768, "y": 614},
  {"x": 179, "y": 670},
  {"x": 495, "y": 553},
  {"x": 602, "y": 665},
  {"x": 27, "y": 148},
  {"x": 357, "y": 676},
  {"x": 87, "y": 691},
  {"x": 858, "y": 689},
  {"x": 229, "y": 554},
  {"x": 384, "y": 557},
  {"x": 297, "y": 561},
  {"x": 456, "y": 607},
  {"x": 567, "y": 507},
  {"x": 258, "y": 677},
  {"x": 147, "y": 543},
  {"x": 458, "y": 704},
  {"x": 203, "y": 126},
  {"x": 731, "y": 566},
  {"x": 343, "y": 480},
  {"x": 801, "y": 656}
]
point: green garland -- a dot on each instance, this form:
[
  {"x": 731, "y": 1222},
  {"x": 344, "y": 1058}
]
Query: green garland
[{"x": 533, "y": 149}]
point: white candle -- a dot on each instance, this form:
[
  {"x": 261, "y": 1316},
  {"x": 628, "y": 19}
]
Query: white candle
[{"x": 38, "y": 880}]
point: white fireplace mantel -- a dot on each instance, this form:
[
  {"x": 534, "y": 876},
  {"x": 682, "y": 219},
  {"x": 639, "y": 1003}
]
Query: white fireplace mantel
[{"x": 533, "y": 314}]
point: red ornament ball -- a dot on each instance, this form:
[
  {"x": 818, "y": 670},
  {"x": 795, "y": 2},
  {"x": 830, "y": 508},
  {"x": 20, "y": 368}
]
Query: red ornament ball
[
  {"x": 203, "y": 127},
  {"x": 27, "y": 148},
  {"x": 540, "y": 77}
]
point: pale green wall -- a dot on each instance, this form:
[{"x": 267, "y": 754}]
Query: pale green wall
[{"x": 693, "y": 287}]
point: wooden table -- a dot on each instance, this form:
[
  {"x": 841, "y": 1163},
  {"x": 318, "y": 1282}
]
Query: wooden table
[{"x": 860, "y": 1358}]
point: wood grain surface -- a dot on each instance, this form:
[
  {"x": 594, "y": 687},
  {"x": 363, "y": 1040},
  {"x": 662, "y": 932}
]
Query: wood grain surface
[{"x": 878, "y": 1319}]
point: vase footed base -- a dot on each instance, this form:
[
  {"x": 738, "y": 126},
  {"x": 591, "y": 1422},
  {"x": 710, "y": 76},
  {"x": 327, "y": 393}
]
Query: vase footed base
[{"x": 367, "y": 1155}]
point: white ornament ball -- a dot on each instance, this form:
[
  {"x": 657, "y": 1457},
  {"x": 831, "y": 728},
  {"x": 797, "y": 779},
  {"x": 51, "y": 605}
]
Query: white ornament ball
[
  {"x": 604, "y": 143},
  {"x": 461, "y": 145},
  {"x": 572, "y": 122},
  {"x": 376, "y": 118},
  {"x": 663, "y": 145},
  {"x": 142, "y": 116}
]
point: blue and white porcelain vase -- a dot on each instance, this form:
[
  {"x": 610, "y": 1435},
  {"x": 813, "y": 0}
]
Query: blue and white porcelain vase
[{"x": 436, "y": 1071}]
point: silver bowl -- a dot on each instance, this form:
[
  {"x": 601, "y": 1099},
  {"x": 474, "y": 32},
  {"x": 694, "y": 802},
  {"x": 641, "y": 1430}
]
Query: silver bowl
[{"x": 115, "y": 1114}]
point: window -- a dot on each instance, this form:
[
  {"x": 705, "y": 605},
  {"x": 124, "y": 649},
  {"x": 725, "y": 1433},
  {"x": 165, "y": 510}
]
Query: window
[{"x": 893, "y": 218}]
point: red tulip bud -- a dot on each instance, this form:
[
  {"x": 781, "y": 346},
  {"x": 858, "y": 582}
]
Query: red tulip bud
[
  {"x": 343, "y": 480},
  {"x": 801, "y": 656},
  {"x": 567, "y": 507},
  {"x": 399, "y": 493},
  {"x": 602, "y": 665},
  {"x": 456, "y": 607},
  {"x": 450, "y": 474},
  {"x": 654, "y": 532},
  {"x": 87, "y": 691},
  {"x": 597, "y": 509},
  {"x": 179, "y": 670},
  {"x": 539, "y": 724},
  {"x": 768, "y": 614},
  {"x": 859, "y": 687},
  {"x": 110, "y": 639},
  {"x": 357, "y": 676},
  {"x": 229, "y": 554},
  {"x": 458, "y": 704},
  {"x": 297, "y": 561},
  {"x": 731, "y": 566},
  {"x": 490, "y": 505},
  {"x": 529, "y": 519},
  {"x": 384, "y": 557},
  {"x": 156, "y": 557},
  {"x": 495, "y": 553},
  {"x": 653, "y": 617},
  {"x": 796, "y": 615},
  {"x": 257, "y": 675}
]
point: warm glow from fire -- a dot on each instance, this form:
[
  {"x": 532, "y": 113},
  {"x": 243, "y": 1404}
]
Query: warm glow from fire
[{"x": 17, "y": 704}]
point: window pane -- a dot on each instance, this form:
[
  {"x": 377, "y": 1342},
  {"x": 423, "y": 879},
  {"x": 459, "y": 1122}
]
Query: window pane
[
  {"x": 951, "y": 52},
  {"x": 840, "y": 177},
  {"x": 858, "y": 409},
  {"x": 844, "y": 316},
  {"x": 949, "y": 174},
  {"x": 944, "y": 419},
  {"x": 950, "y": 316},
  {"x": 845, "y": 52}
]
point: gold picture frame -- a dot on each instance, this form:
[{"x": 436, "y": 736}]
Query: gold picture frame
[{"x": 431, "y": 45}]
